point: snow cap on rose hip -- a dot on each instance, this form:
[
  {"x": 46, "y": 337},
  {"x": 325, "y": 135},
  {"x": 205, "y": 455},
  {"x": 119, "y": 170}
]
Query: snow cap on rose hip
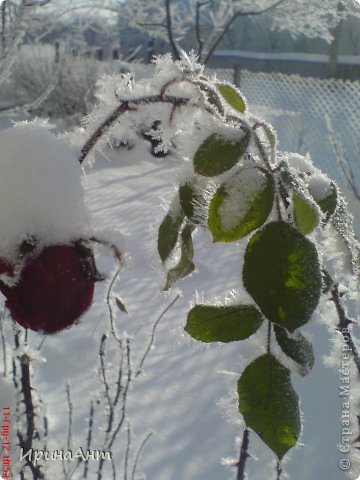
[{"x": 41, "y": 194}]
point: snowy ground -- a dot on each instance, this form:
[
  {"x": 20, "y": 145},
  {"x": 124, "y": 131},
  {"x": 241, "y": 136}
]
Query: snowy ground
[{"x": 183, "y": 395}]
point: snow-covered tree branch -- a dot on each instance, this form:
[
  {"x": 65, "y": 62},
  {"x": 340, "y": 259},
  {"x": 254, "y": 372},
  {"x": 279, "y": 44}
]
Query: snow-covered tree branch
[{"x": 208, "y": 22}]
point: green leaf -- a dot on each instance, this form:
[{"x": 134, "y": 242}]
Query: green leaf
[
  {"x": 298, "y": 348},
  {"x": 282, "y": 274},
  {"x": 187, "y": 194},
  {"x": 218, "y": 154},
  {"x": 305, "y": 214},
  {"x": 185, "y": 265},
  {"x": 241, "y": 205},
  {"x": 168, "y": 233},
  {"x": 232, "y": 97},
  {"x": 269, "y": 404},
  {"x": 209, "y": 323},
  {"x": 329, "y": 203},
  {"x": 211, "y": 94},
  {"x": 271, "y": 138}
]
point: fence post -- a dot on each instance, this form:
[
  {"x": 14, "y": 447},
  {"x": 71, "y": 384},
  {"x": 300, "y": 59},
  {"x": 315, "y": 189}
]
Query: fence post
[
  {"x": 100, "y": 54},
  {"x": 237, "y": 76},
  {"x": 57, "y": 52}
]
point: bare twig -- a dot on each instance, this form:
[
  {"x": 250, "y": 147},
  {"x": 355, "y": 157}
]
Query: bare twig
[
  {"x": 111, "y": 312},
  {"x": 344, "y": 323},
  {"x": 268, "y": 338},
  {"x": 3, "y": 25},
  {"x": 69, "y": 425},
  {"x": 152, "y": 337},
  {"x": 133, "y": 473},
  {"x": 3, "y": 316},
  {"x": 243, "y": 456},
  {"x": 106, "y": 384},
  {"x": 127, "y": 453},
  {"x": 41, "y": 343},
  {"x": 25, "y": 440},
  {"x": 89, "y": 437}
]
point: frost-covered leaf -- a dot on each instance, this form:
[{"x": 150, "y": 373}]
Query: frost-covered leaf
[
  {"x": 218, "y": 154},
  {"x": 282, "y": 274},
  {"x": 188, "y": 199},
  {"x": 297, "y": 348},
  {"x": 168, "y": 233},
  {"x": 305, "y": 214},
  {"x": 270, "y": 137},
  {"x": 209, "y": 323},
  {"x": 269, "y": 404},
  {"x": 185, "y": 265},
  {"x": 232, "y": 97},
  {"x": 241, "y": 205},
  {"x": 212, "y": 95}
]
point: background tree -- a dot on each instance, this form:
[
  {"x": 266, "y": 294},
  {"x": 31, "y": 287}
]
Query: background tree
[{"x": 206, "y": 23}]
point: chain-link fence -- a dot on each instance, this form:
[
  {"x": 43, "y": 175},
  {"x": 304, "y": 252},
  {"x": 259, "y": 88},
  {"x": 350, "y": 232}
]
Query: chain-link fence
[{"x": 319, "y": 116}]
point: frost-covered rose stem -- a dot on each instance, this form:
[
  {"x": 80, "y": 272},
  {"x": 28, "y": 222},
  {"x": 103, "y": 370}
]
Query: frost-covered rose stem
[{"x": 126, "y": 106}]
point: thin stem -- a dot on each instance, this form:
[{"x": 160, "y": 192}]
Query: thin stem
[
  {"x": 25, "y": 441},
  {"x": 127, "y": 453},
  {"x": 243, "y": 455},
  {"x": 152, "y": 337},
  {"x": 125, "y": 106},
  {"x": 278, "y": 470},
  {"x": 70, "y": 411},
  {"x": 268, "y": 341},
  {"x": 41, "y": 343},
  {"x": 344, "y": 323},
  {"x": 105, "y": 382},
  {"x": 261, "y": 150},
  {"x": 3, "y": 25},
  {"x": 69, "y": 432},
  {"x": 89, "y": 437},
  {"x": 170, "y": 30},
  {"x": 3, "y": 316},
  {"x": 278, "y": 208},
  {"x": 133, "y": 473},
  {"x": 111, "y": 313}
]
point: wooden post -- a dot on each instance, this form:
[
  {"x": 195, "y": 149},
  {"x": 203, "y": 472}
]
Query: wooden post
[{"x": 237, "y": 76}]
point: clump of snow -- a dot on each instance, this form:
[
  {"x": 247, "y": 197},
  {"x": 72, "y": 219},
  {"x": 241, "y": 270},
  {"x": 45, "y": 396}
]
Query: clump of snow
[
  {"x": 320, "y": 186},
  {"x": 300, "y": 163},
  {"x": 41, "y": 194}
]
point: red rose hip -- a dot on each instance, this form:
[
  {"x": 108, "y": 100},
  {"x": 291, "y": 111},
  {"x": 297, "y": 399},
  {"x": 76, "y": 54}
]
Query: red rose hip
[{"x": 55, "y": 288}]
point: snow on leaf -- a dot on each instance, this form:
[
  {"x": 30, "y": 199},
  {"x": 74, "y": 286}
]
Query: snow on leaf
[{"x": 241, "y": 204}]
